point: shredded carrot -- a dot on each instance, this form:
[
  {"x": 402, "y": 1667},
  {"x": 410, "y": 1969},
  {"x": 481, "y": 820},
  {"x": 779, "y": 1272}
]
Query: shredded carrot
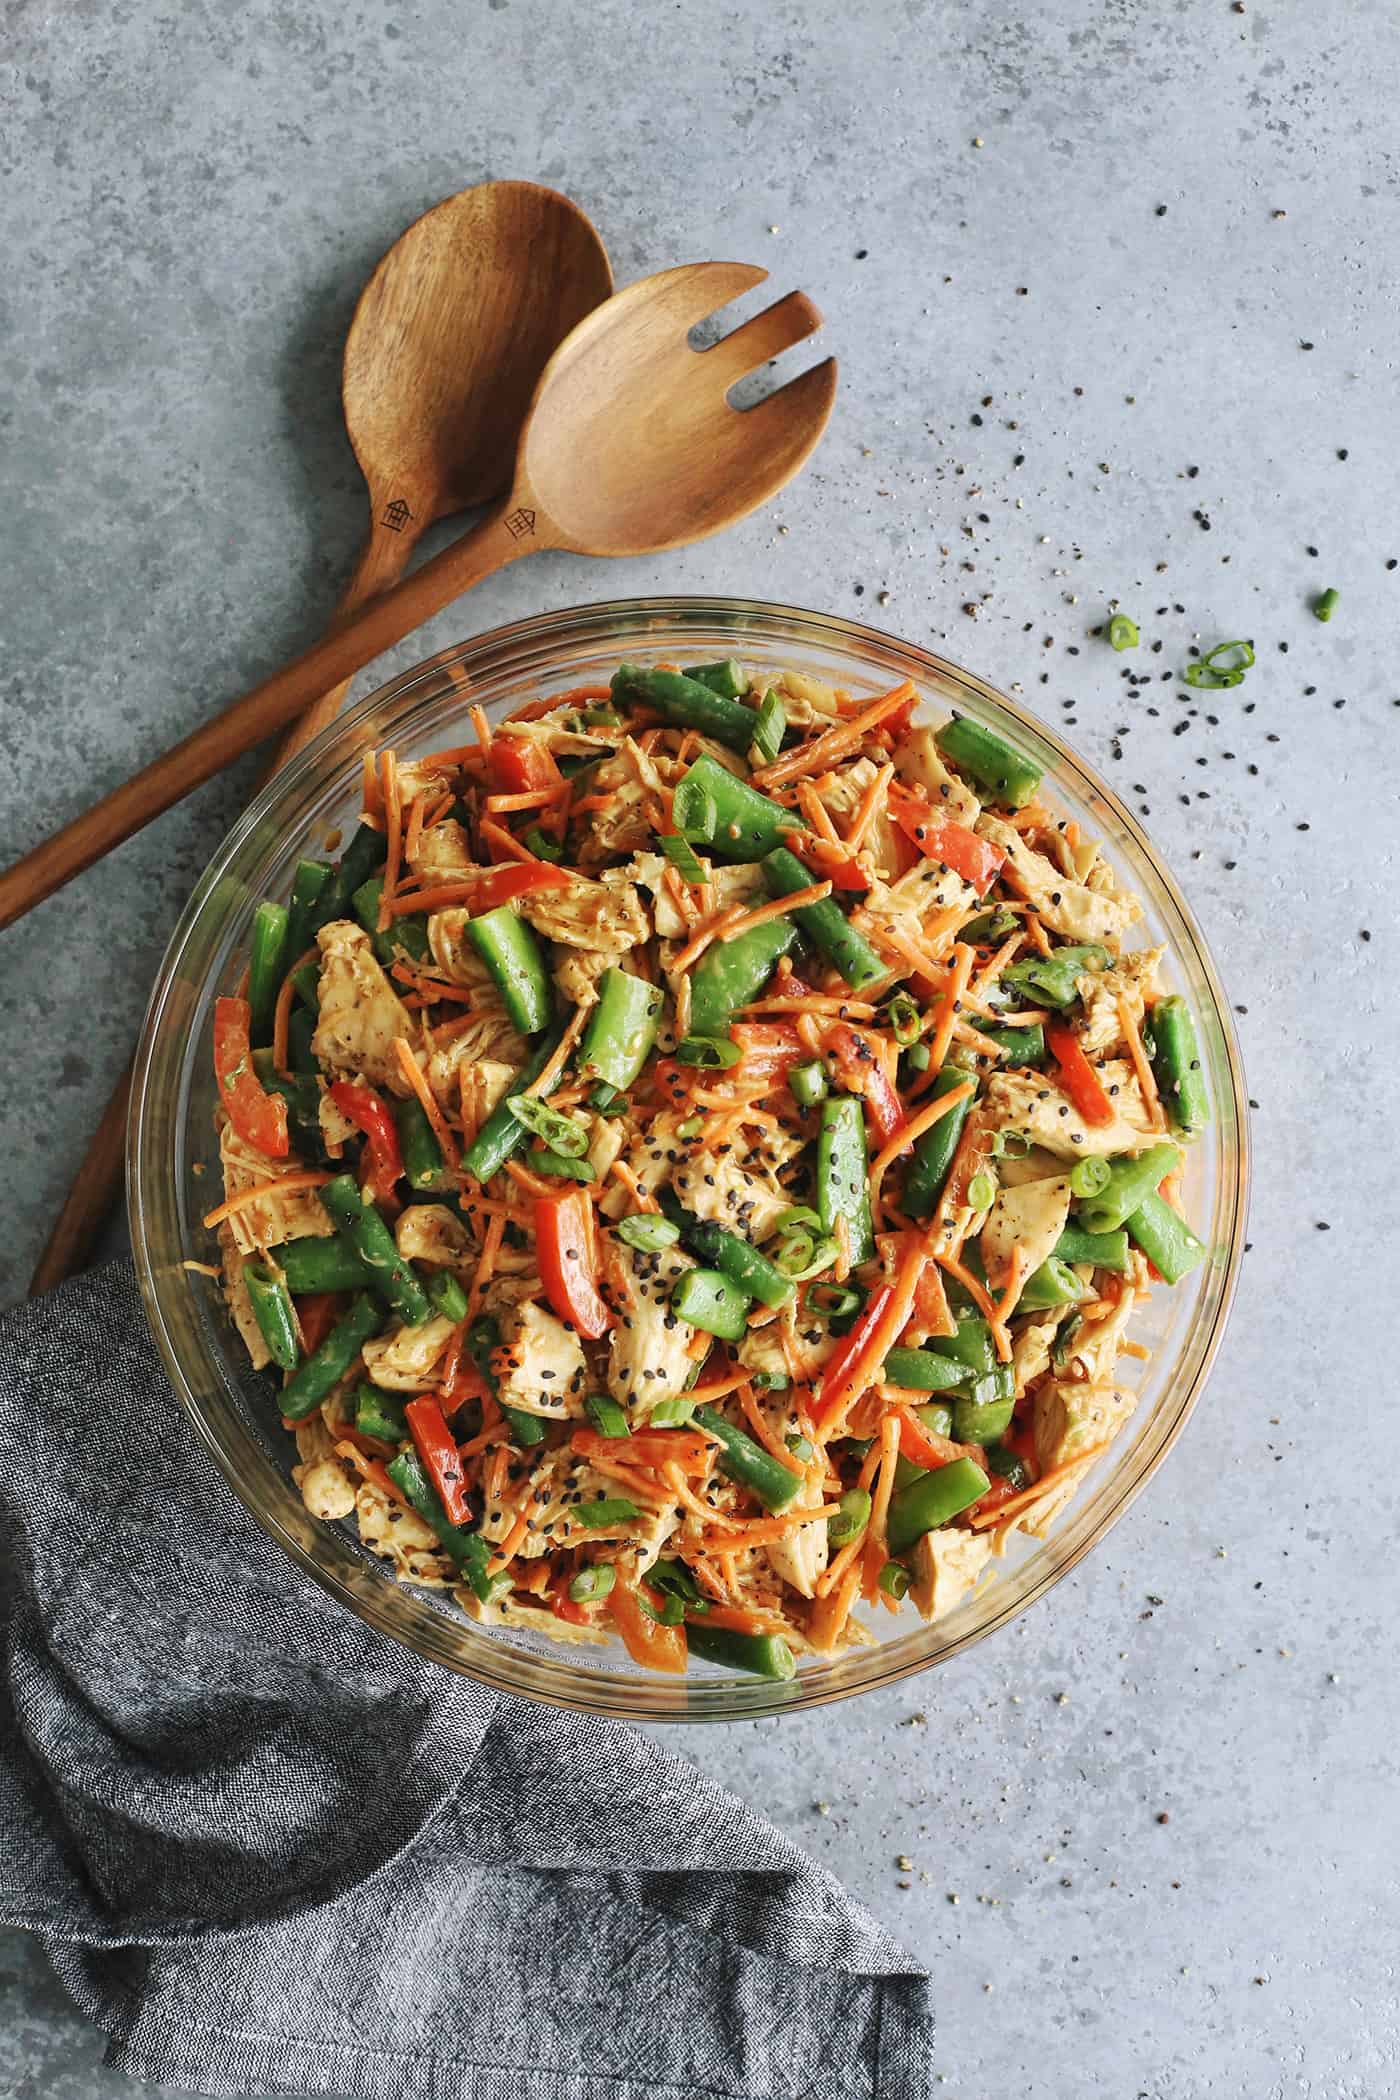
[
  {"x": 817, "y": 813},
  {"x": 545, "y": 1077},
  {"x": 959, "y": 971},
  {"x": 868, "y": 809},
  {"x": 772, "y": 1444},
  {"x": 290, "y": 1185},
  {"x": 913, "y": 1130},
  {"x": 533, "y": 798},
  {"x": 1014, "y": 1504},
  {"x": 409, "y": 1066},
  {"x": 981, "y": 1300},
  {"x": 760, "y": 1531},
  {"x": 833, "y": 743},
  {"x": 988, "y": 975},
  {"x": 813, "y": 1003},
  {"x": 875, "y": 1552},
  {"x": 282, "y": 1012},
  {"x": 1135, "y": 1349},
  {"x": 1141, "y": 1066},
  {"x": 1039, "y": 937},
  {"x": 506, "y": 843},
  {"x": 533, "y": 1184},
  {"x": 775, "y": 909},
  {"x": 510, "y": 1544},
  {"x": 1011, "y": 1288},
  {"x": 393, "y": 827},
  {"x": 476, "y": 715},
  {"x": 827, "y": 1620},
  {"x": 486, "y": 1263}
]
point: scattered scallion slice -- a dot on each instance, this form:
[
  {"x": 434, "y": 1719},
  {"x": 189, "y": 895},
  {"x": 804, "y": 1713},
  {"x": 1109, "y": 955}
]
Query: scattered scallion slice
[
  {"x": 712, "y": 1053},
  {"x": 559, "y": 1132},
  {"x": 605, "y": 1414},
  {"x": 591, "y": 1585},
  {"x": 648, "y": 1232},
  {"x": 894, "y": 1580},
  {"x": 558, "y": 1164},
  {"x": 851, "y": 1519},
  {"x": 671, "y": 1414},
  {"x": 904, "y": 1019},
  {"x": 541, "y": 845},
  {"x": 982, "y": 1191},
  {"x": 1212, "y": 672},
  {"x": 834, "y": 1300},
  {"x": 608, "y": 1509},
  {"x": 1088, "y": 1176},
  {"x": 1123, "y": 632},
  {"x": 682, "y": 856},
  {"x": 770, "y": 727},
  {"x": 808, "y": 1083},
  {"x": 1326, "y": 605}
]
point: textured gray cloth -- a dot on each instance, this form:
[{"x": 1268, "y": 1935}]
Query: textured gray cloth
[{"x": 269, "y": 1851}]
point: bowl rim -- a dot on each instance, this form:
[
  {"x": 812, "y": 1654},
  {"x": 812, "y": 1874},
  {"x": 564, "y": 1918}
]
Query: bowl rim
[{"x": 589, "y": 621}]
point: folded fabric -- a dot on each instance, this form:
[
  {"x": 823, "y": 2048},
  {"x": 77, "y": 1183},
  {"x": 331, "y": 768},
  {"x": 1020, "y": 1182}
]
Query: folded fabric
[{"x": 267, "y": 1850}]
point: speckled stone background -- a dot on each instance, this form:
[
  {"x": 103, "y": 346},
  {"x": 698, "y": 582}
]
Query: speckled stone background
[{"x": 1150, "y": 1832}]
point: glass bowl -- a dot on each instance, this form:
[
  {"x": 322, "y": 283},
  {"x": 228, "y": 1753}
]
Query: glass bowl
[{"x": 173, "y": 1160}]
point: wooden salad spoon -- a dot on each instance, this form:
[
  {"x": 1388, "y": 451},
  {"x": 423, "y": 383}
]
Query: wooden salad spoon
[
  {"x": 630, "y": 446},
  {"x": 449, "y": 337}
]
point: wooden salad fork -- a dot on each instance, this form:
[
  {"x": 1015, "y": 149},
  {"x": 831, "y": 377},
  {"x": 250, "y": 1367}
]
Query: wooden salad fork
[
  {"x": 449, "y": 337},
  {"x": 630, "y": 446}
]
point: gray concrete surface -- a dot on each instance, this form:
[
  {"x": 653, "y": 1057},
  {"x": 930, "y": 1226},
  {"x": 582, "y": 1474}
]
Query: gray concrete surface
[{"x": 1162, "y": 240}]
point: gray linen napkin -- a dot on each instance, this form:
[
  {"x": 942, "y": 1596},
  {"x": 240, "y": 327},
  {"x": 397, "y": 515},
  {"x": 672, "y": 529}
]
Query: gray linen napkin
[{"x": 269, "y": 1851}]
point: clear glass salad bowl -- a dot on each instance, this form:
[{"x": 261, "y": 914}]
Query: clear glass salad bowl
[{"x": 173, "y": 1160}]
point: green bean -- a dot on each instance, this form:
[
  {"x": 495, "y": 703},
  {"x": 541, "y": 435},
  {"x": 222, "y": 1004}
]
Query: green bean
[
  {"x": 1167, "y": 1240},
  {"x": 808, "y": 1083},
  {"x": 1008, "y": 1466},
  {"x": 422, "y": 1154},
  {"x": 507, "y": 945},
  {"x": 267, "y": 965},
  {"x": 1176, "y": 1064},
  {"x": 301, "y": 1028},
  {"x": 761, "y": 1654},
  {"x": 1053, "y": 1283},
  {"x": 1052, "y": 980},
  {"x": 272, "y": 1309},
  {"x": 706, "y": 1299},
  {"x": 924, "y": 1371},
  {"x": 361, "y": 857},
  {"x": 731, "y": 973},
  {"x": 1106, "y": 1250},
  {"x": 933, "y": 1152},
  {"x": 447, "y": 1295},
  {"x": 1132, "y": 1176},
  {"x": 728, "y": 816},
  {"x": 1023, "y": 1046},
  {"x": 686, "y": 703},
  {"x": 933, "y": 1500},
  {"x": 308, "y": 887},
  {"x": 467, "y": 1549},
  {"x": 981, "y": 1422},
  {"x": 324, "y": 1264},
  {"x": 843, "y": 1174},
  {"x": 317, "y": 1376},
  {"x": 725, "y": 678},
  {"x": 745, "y": 1265},
  {"x": 502, "y": 1134},
  {"x": 999, "y": 770},
  {"x": 379, "y": 1415},
  {"x": 851, "y": 1518},
  {"x": 406, "y": 933},
  {"x": 362, "y": 1228},
  {"x": 746, "y": 1462},
  {"x": 824, "y": 923},
  {"x": 621, "y": 1029}
]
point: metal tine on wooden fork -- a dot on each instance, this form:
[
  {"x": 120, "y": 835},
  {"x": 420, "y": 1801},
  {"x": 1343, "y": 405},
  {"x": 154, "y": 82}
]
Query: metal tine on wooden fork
[{"x": 753, "y": 343}]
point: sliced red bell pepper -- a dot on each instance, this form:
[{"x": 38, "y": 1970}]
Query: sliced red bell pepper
[
  {"x": 437, "y": 1448},
  {"x": 846, "y": 1362},
  {"x": 829, "y": 863},
  {"x": 258, "y": 1117},
  {"x": 317, "y": 1313},
  {"x": 922, "y": 1447},
  {"x": 931, "y": 1313},
  {"x": 516, "y": 878},
  {"x": 859, "y": 1071},
  {"x": 568, "y": 1270},
  {"x": 976, "y": 859},
  {"x": 656, "y": 1647},
  {"x": 1077, "y": 1076},
  {"x": 369, "y": 1114},
  {"x": 520, "y": 764},
  {"x": 563, "y": 1606}
]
